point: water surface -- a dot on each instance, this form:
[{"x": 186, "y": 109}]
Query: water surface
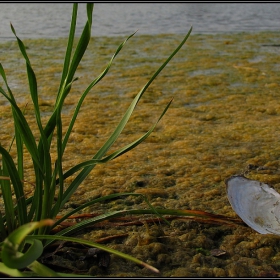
[{"x": 49, "y": 20}]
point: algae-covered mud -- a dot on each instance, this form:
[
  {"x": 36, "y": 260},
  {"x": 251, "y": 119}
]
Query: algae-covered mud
[{"x": 224, "y": 117}]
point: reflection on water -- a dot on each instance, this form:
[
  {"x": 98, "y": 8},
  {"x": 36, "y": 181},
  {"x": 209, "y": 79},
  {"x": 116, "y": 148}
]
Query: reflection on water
[{"x": 47, "y": 20}]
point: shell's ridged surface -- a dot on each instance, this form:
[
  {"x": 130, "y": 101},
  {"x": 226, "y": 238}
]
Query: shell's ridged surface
[{"x": 256, "y": 203}]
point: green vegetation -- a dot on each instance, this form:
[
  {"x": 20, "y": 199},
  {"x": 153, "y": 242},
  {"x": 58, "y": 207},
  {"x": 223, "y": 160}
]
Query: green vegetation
[{"x": 26, "y": 223}]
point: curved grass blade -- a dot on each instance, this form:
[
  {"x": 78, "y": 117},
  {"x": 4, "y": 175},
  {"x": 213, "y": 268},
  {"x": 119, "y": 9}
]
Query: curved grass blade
[
  {"x": 37, "y": 270},
  {"x": 18, "y": 260},
  {"x": 31, "y": 79},
  {"x": 128, "y": 113},
  {"x": 100, "y": 199},
  {"x": 10, "y": 254},
  {"x": 104, "y": 198},
  {"x": 43, "y": 147},
  {"x": 32, "y": 84},
  {"x": 117, "y": 153},
  {"x": 94, "y": 82},
  {"x": 23, "y": 129},
  {"x": 110, "y": 157},
  {"x": 171, "y": 212},
  {"x": 20, "y": 122},
  {"x": 102, "y": 151},
  {"x": 17, "y": 136},
  {"x": 97, "y": 245}
]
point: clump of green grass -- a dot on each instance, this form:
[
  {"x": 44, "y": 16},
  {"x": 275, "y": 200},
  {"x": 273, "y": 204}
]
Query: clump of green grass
[{"x": 25, "y": 226}]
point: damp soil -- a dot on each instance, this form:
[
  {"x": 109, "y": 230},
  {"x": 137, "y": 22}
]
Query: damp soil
[{"x": 224, "y": 116}]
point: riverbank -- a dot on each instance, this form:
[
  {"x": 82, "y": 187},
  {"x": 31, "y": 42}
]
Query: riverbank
[{"x": 224, "y": 116}]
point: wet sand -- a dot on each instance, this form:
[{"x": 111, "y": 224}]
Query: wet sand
[{"x": 224, "y": 116}]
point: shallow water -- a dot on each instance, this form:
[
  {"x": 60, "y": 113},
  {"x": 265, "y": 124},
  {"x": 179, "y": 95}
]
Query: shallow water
[
  {"x": 223, "y": 117},
  {"x": 116, "y": 19}
]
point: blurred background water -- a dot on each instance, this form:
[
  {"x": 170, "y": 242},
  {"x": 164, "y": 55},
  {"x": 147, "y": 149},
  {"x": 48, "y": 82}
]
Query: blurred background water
[{"x": 51, "y": 20}]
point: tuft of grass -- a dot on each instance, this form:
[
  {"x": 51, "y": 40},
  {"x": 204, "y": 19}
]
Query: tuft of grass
[{"x": 25, "y": 225}]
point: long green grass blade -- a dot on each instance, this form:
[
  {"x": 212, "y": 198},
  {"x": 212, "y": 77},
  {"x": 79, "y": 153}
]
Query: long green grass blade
[
  {"x": 58, "y": 168},
  {"x": 92, "y": 84},
  {"x": 31, "y": 79},
  {"x": 48, "y": 177},
  {"x": 3, "y": 232},
  {"x": 42, "y": 270},
  {"x": 20, "y": 163},
  {"x": 20, "y": 122},
  {"x": 117, "y": 153},
  {"x": 12, "y": 272},
  {"x": 17, "y": 185},
  {"x": 7, "y": 199},
  {"x": 78, "y": 55},
  {"x": 97, "y": 245},
  {"x": 103, "y": 150},
  {"x": 132, "y": 106},
  {"x": 3, "y": 75},
  {"x": 71, "y": 37},
  {"x": 24, "y": 129},
  {"x": 35, "y": 211},
  {"x": 37, "y": 270},
  {"x": 82, "y": 44},
  {"x": 64, "y": 89},
  {"x": 138, "y": 141},
  {"x": 159, "y": 212},
  {"x": 29, "y": 140},
  {"x": 63, "y": 81},
  {"x": 18, "y": 138},
  {"x": 102, "y": 199},
  {"x": 44, "y": 149}
]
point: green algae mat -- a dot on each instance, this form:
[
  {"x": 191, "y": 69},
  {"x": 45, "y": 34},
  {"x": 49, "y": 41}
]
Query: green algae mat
[{"x": 224, "y": 117}]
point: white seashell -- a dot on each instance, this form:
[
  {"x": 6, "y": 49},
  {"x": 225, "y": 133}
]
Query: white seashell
[{"x": 256, "y": 203}]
